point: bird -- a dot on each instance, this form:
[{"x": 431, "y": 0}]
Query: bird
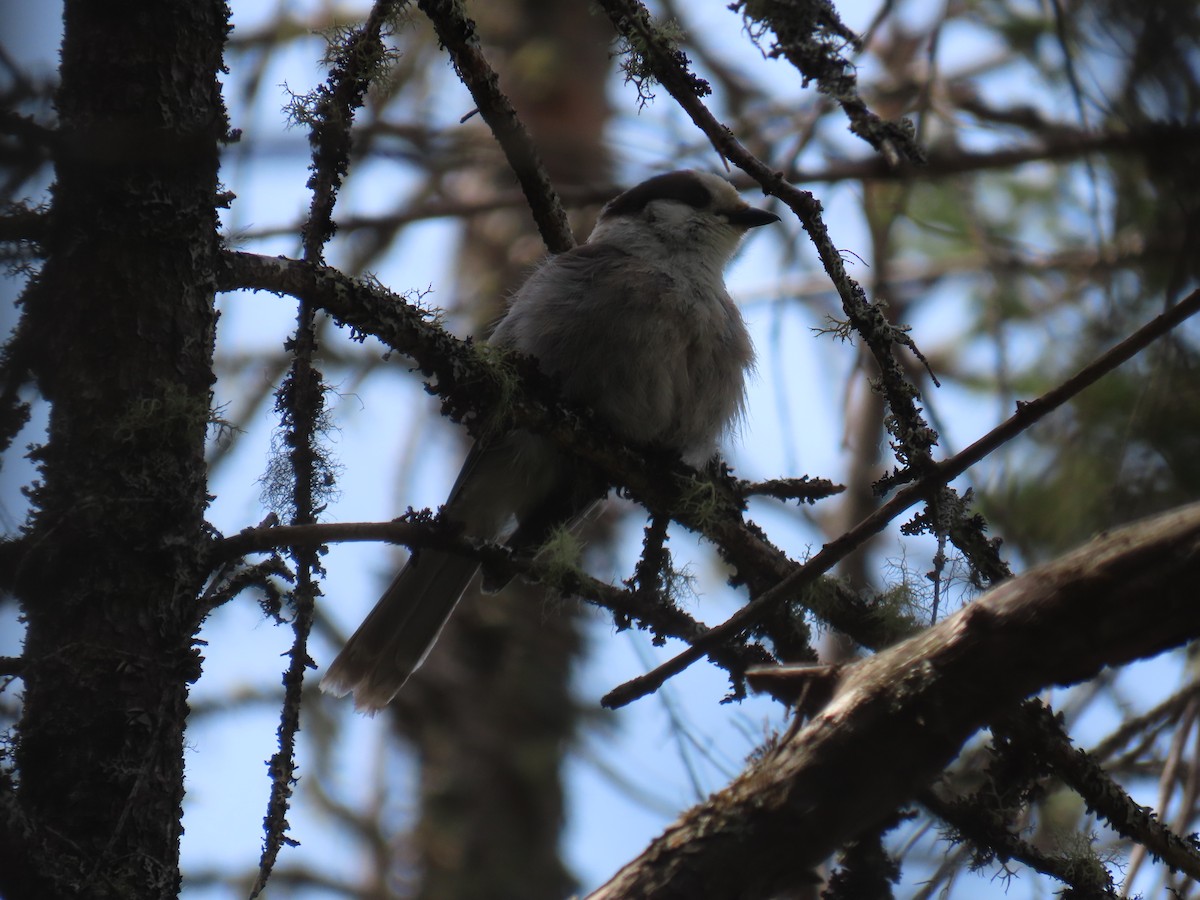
[{"x": 637, "y": 324}]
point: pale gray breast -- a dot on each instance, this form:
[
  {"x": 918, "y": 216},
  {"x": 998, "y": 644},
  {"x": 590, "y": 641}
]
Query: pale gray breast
[{"x": 658, "y": 358}]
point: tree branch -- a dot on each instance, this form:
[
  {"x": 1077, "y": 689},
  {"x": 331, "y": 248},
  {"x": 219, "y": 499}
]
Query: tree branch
[
  {"x": 994, "y": 837},
  {"x": 1054, "y": 146},
  {"x": 919, "y": 701},
  {"x": 660, "y": 617},
  {"x": 943, "y": 472},
  {"x": 470, "y": 384},
  {"x": 811, "y": 37},
  {"x": 1038, "y": 730},
  {"x": 300, "y": 399},
  {"x": 22, "y": 224},
  {"x": 456, "y": 31}
]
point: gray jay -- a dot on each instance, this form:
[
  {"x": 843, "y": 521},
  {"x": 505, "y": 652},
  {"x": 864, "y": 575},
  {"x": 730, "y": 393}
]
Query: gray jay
[{"x": 635, "y": 324}]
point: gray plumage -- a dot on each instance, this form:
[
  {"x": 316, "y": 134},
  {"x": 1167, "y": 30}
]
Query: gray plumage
[{"x": 638, "y": 325}]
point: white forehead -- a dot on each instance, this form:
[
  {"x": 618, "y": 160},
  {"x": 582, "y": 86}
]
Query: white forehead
[{"x": 724, "y": 194}]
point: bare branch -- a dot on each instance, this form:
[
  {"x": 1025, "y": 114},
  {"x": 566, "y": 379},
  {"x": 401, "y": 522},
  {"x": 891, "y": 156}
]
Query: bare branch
[
  {"x": 457, "y": 34},
  {"x": 1058, "y": 144}
]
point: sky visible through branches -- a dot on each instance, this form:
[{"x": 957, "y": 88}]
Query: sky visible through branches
[{"x": 393, "y": 451}]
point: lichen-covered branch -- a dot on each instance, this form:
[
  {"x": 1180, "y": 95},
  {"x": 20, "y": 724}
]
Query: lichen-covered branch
[
  {"x": 811, "y": 36},
  {"x": 476, "y": 388},
  {"x": 1040, "y": 736},
  {"x": 913, "y": 438},
  {"x": 897, "y": 718},
  {"x": 356, "y": 58},
  {"x": 661, "y": 619}
]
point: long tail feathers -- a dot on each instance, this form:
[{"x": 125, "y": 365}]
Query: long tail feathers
[{"x": 397, "y": 634}]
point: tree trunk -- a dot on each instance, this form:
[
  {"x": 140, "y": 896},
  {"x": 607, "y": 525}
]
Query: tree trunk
[{"x": 122, "y": 319}]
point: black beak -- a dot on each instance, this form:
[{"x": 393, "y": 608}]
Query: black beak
[{"x": 751, "y": 217}]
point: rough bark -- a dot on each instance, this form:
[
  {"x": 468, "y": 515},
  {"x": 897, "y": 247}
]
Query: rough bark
[
  {"x": 896, "y": 719},
  {"x": 122, "y": 318}
]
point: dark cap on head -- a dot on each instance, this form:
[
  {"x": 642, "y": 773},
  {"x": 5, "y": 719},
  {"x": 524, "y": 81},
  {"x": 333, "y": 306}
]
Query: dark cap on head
[
  {"x": 682, "y": 186},
  {"x": 699, "y": 190}
]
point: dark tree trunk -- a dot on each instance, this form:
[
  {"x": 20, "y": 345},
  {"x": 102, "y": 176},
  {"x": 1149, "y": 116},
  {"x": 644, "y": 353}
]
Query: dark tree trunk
[{"x": 122, "y": 320}]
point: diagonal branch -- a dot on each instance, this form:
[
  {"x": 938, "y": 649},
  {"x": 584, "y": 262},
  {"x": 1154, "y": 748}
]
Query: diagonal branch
[
  {"x": 942, "y": 473},
  {"x": 1037, "y": 728},
  {"x": 811, "y": 37},
  {"x": 912, "y": 437},
  {"x": 456, "y": 32},
  {"x": 897, "y": 718},
  {"x": 472, "y": 388}
]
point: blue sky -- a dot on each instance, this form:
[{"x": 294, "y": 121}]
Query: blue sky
[{"x": 794, "y": 425}]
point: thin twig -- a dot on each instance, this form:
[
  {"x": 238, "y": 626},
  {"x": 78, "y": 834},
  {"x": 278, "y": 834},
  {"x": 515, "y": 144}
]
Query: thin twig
[
  {"x": 983, "y": 831},
  {"x": 371, "y": 309},
  {"x": 1035, "y": 726},
  {"x": 456, "y": 31},
  {"x": 1167, "y": 711},
  {"x": 663, "y": 620},
  {"x": 300, "y": 399},
  {"x": 942, "y": 473}
]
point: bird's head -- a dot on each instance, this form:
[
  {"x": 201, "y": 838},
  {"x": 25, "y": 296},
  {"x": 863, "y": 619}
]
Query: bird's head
[{"x": 686, "y": 213}]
